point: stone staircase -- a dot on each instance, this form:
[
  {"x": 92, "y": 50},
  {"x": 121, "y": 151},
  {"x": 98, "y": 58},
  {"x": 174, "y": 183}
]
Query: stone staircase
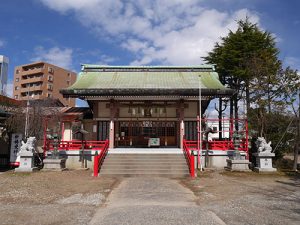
[{"x": 169, "y": 165}]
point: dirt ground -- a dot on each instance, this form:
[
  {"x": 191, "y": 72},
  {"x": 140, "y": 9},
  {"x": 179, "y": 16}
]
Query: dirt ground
[
  {"x": 72, "y": 197},
  {"x": 248, "y": 198},
  {"x": 69, "y": 197}
]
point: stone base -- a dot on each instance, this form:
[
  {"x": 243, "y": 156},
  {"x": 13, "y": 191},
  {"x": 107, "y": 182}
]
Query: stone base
[
  {"x": 237, "y": 165},
  {"x": 26, "y": 162},
  {"x": 26, "y": 170},
  {"x": 54, "y": 164},
  {"x": 264, "y": 170},
  {"x": 264, "y": 162}
]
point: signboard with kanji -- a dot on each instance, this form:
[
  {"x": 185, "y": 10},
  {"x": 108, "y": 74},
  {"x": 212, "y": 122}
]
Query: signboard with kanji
[
  {"x": 16, "y": 140},
  {"x": 154, "y": 142}
]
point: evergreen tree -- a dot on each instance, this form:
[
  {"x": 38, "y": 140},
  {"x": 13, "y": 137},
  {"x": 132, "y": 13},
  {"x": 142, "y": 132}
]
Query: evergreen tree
[{"x": 247, "y": 61}]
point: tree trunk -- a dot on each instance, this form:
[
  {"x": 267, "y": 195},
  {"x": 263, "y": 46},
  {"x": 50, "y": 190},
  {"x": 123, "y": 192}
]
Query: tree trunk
[
  {"x": 231, "y": 118},
  {"x": 269, "y": 98},
  {"x": 247, "y": 98},
  {"x": 220, "y": 118},
  {"x": 261, "y": 119},
  {"x": 236, "y": 112}
]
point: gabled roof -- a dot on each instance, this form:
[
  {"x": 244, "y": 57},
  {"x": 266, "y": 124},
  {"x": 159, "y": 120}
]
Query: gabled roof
[{"x": 146, "y": 81}]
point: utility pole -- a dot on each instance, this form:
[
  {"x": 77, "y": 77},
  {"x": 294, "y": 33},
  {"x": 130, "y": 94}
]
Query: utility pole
[{"x": 199, "y": 156}]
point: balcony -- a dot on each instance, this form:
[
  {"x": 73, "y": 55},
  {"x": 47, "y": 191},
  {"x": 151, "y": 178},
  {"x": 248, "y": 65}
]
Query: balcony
[
  {"x": 32, "y": 71},
  {"x": 34, "y": 88},
  {"x": 31, "y": 80}
]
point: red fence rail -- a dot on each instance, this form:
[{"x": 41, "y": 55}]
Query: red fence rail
[
  {"x": 98, "y": 159},
  {"x": 217, "y": 145},
  {"x": 187, "y": 150},
  {"x": 232, "y": 135}
]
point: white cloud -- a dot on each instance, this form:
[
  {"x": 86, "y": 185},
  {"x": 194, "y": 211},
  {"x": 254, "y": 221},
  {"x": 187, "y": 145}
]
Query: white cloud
[
  {"x": 2, "y": 43},
  {"x": 105, "y": 60},
  {"x": 55, "y": 55},
  {"x": 164, "y": 31}
]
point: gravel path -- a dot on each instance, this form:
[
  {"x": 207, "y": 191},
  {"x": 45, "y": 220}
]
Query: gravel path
[
  {"x": 153, "y": 200},
  {"x": 215, "y": 197}
]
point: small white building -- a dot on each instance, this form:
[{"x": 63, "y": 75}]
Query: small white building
[{"x": 3, "y": 74}]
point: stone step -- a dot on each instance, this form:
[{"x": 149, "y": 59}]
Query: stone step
[
  {"x": 145, "y": 166},
  {"x": 145, "y": 172},
  {"x": 145, "y": 157},
  {"x": 168, "y": 175},
  {"x": 144, "y": 163}
]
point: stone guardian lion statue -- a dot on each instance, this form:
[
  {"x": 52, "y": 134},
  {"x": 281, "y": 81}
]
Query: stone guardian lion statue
[
  {"x": 263, "y": 146},
  {"x": 30, "y": 145}
]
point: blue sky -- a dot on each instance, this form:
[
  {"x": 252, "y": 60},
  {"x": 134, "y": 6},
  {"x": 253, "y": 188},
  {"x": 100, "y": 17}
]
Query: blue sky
[{"x": 137, "y": 32}]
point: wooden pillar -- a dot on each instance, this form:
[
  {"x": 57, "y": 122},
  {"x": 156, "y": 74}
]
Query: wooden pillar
[
  {"x": 111, "y": 134},
  {"x": 62, "y": 131},
  {"x": 95, "y": 129},
  {"x": 181, "y": 120},
  {"x": 113, "y": 115}
]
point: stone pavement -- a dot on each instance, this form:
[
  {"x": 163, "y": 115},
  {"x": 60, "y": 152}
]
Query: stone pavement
[{"x": 152, "y": 200}]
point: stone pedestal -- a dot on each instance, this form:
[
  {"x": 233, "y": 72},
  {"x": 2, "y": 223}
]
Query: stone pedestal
[
  {"x": 237, "y": 165},
  {"x": 264, "y": 162},
  {"x": 26, "y": 162},
  {"x": 54, "y": 164}
]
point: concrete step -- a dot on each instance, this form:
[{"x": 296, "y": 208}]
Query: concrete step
[
  {"x": 145, "y": 175},
  {"x": 145, "y": 157},
  {"x": 145, "y": 172},
  {"x": 159, "y": 166},
  {"x": 145, "y": 164},
  {"x": 144, "y": 161}
]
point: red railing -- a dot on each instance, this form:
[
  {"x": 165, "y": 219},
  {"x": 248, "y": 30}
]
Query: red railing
[
  {"x": 233, "y": 135},
  {"x": 98, "y": 159},
  {"x": 216, "y": 145},
  {"x": 224, "y": 145},
  {"x": 75, "y": 145},
  {"x": 187, "y": 150}
]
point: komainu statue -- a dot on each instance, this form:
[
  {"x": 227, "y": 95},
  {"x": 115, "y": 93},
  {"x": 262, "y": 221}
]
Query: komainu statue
[
  {"x": 263, "y": 146},
  {"x": 30, "y": 145}
]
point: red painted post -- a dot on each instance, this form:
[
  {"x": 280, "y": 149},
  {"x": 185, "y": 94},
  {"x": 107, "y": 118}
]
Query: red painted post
[
  {"x": 192, "y": 164},
  {"x": 96, "y": 165},
  {"x": 247, "y": 139}
]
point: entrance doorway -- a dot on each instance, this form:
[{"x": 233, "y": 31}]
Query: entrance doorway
[{"x": 142, "y": 134}]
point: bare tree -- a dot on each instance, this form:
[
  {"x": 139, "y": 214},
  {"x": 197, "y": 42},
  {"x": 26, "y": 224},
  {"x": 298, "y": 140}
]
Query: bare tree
[{"x": 36, "y": 113}]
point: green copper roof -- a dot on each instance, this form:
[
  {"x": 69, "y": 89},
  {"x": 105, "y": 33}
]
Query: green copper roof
[{"x": 123, "y": 80}]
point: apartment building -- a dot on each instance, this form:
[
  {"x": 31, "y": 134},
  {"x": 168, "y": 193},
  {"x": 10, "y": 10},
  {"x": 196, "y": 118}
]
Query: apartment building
[{"x": 41, "y": 80}]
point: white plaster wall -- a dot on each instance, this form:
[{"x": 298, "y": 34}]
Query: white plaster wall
[
  {"x": 103, "y": 112},
  {"x": 67, "y": 132},
  {"x": 191, "y": 111},
  {"x": 171, "y": 112},
  {"x": 123, "y": 112}
]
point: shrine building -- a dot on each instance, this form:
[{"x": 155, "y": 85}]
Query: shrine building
[{"x": 145, "y": 106}]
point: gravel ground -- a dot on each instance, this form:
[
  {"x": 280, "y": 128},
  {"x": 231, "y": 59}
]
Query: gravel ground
[
  {"x": 75, "y": 197},
  {"x": 248, "y": 198},
  {"x": 69, "y": 197}
]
